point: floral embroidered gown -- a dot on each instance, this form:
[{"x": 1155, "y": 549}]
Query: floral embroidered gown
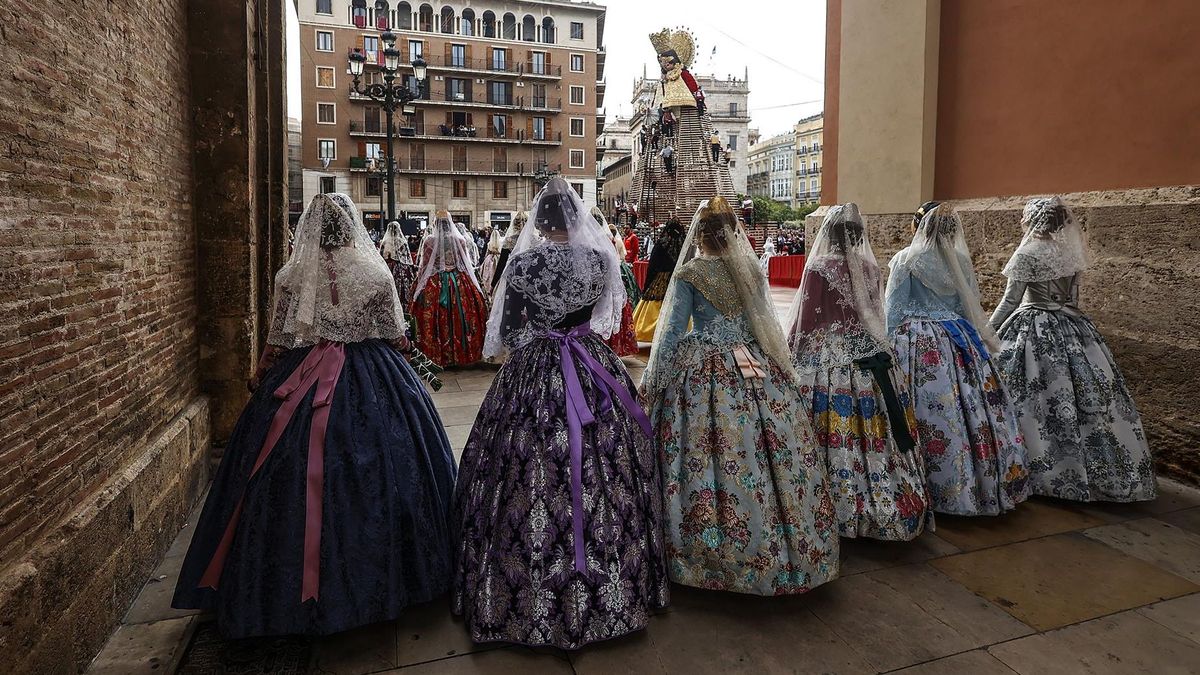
[
  {"x": 747, "y": 498},
  {"x": 860, "y": 406},
  {"x": 517, "y": 577},
  {"x": 448, "y": 307}
]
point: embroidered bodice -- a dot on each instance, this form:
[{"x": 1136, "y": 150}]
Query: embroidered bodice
[{"x": 550, "y": 287}]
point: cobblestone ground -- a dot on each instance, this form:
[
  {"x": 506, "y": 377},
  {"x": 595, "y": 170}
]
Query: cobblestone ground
[{"x": 1052, "y": 587}]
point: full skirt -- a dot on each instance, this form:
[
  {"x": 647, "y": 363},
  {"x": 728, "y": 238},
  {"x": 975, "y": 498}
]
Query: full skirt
[
  {"x": 487, "y": 272},
  {"x": 974, "y": 459},
  {"x": 385, "y": 529},
  {"x": 515, "y": 578},
  {"x": 878, "y": 490},
  {"x": 631, "y": 286},
  {"x": 748, "y": 503},
  {"x": 624, "y": 342},
  {"x": 1082, "y": 432},
  {"x": 450, "y": 317},
  {"x": 405, "y": 277}
]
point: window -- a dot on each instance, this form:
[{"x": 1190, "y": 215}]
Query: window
[
  {"x": 326, "y": 148},
  {"x": 577, "y": 126},
  {"x": 324, "y": 6},
  {"x": 416, "y": 157},
  {"x": 576, "y": 159},
  {"x": 326, "y": 113},
  {"x": 733, "y": 141},
  {"x": 468, "y": 22},
  {"x": 499, "y": 126},
  {"x": 459, "y": 158},
  {"x": 374, "y": 186},
  {"x": 578, "y": 187},
  {"x": 324, "y": 41},
  {"x": 373, "y": 151},
  {"x": 456, "y": 89},
  {"x": 416, "y": 49},
  {"x": 537, "y": 63},
  {"x": 325, "y": 77},
  {"x": 500, "y": 93},
  {"x": 416, "y": 187},
  {"x": 460, "y": 189},
  {"x": 499, "y": 58},
  {"x": 499, "y": 189},
  {"x": 576, "y": 30},
  {"x": 539, "y": 128},
  {"x": 371, "y": 48},
  {"x": 500, "y": 159},
  {"x": 328, "y": 184},
  {"x": 577, "y": 63},
  {"x": 371, "y": 119},
  {"x": 538, "y": 98},
  {"x": 576, "y": 95},
  {"x": 458, "y": 56},
  {"x": 733, "y": 111},
  {"x": 489, "y": 24}
]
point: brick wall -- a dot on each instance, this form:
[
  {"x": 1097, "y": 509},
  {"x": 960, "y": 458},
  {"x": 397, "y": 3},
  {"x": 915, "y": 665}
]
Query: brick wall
[
  {"x": 1140, "y": 291},
  {"x": 98, "y": 347}
]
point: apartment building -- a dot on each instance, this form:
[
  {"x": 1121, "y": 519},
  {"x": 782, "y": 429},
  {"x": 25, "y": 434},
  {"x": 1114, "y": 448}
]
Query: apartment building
[
  {"x": 514, "y": 89},
  {"x": 771, "y": 172},
  {"x": 808, "y": 133}
]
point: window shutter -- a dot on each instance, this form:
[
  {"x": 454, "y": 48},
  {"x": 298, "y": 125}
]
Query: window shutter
[
  {"x": 529, "y": 62},
  {"x": 468, "y": 56},
  {"x": 508, "y": 127},
  {"x": 528, "y": 127},
  {"x": 549, "y": 128},
  {"x": 547, "y": 58},
  {"x": 448, "y": 57},
  {"x": 362, "y": 149},
  {"x": 449, "y": 119},
  {"x": 360, "y": 43},
  {"x": 469, "y": 83},
  {"x": 469, "y": 122}
]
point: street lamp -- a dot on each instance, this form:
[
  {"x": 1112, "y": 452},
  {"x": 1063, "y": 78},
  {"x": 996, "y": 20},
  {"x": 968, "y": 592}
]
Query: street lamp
[
  {"x": 391, "y": 97},
  {"x": 377, "y": 168}
]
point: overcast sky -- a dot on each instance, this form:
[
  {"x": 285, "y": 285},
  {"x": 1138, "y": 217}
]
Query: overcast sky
[{"x": 782, "y": 44}]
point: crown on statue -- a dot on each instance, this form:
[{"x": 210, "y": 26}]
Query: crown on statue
[{"x": 679, "y": 40}]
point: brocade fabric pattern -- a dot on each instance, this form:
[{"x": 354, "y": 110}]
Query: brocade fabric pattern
[
  {"x": 974, "y": 457},
  {"x": 1082, "y": 433},
  {"x": 449, "y": 318}
]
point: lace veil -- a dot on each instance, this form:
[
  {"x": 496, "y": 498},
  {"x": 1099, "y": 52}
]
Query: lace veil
[
  {"x": 495, "y": 241},
  {"x": 472, "y": 247},
  {"x": 563, "y": 264},
  {"x": 757, "y": 309},
  {"x": 395, "y": 245},
  {"x": 610, "y": 231},
  {"x": 837, "y": 314},
  {"x": 514, "y": 229},
  {"x": 335, "y": 286},
  {"x": 1054, "y": 245},
  {"x": 938, "y": 256},
  {"x": 444, "y": 249}
]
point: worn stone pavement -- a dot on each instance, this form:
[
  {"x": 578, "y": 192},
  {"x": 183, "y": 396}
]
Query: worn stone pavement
[{"x": 1053, "y": 587}]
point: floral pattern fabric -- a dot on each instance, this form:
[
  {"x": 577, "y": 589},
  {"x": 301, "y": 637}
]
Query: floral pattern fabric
[
  {"x": 1082, "y": 432},
  {"x": 878, "y": 490},
  {"x": 515, "y": 578},
  {"x": 748, "y": 506},
  {"x": 449, "y": 317},
  {"x": 974, "y": 458},
  {"x": 624, "y": 342}
]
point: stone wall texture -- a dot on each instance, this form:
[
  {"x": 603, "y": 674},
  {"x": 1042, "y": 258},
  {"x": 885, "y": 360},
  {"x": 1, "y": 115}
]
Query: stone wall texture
[
  {"x": 1140, "y": 291},
  {"x": 100, "y": 414}
]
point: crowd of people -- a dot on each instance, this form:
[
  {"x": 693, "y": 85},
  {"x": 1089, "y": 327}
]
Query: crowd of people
[{"x": 748, "y": 448}]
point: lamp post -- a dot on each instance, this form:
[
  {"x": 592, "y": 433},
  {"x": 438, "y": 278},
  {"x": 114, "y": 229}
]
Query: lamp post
[
  {"x": 389, "y": 96},
  {"x": 377, "y": 168}
]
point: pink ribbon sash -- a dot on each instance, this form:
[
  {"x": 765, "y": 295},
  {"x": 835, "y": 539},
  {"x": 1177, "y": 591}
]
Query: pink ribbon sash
[
  {"x": 579, "y": 416},
  {"x": 321, "y": 367}
]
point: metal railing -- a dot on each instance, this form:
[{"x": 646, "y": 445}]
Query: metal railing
[{"x": 490, "y": 64}]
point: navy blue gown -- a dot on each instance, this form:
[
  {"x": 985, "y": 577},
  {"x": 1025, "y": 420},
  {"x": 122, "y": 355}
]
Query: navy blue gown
[{"x": 385, "y": 529}]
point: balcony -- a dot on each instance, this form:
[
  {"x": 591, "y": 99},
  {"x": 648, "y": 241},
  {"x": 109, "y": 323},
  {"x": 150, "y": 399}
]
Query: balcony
[
  {"x": 468, "y": 100},
  {"x": 485, "y": 66},
  {"x": 450, "y": 167}
]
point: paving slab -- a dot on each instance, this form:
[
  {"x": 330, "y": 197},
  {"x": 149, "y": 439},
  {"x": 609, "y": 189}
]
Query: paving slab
[
  {"x": 1123, "y": 644},
  {"x": 726, "y": 633},
  {"x": 458, "y": 435},
  {"x": 1032, "y": 519},
  {"x": 1161, "y": 544},
  {"x": 1062, "y": 579},
  {"x": 865, "y": 555},
  {"x": 458, "y": 415},
  {"x": 153, "y": 647},
  {"x": 153, "y": 603},
  {"x": 978, "y": 662},
  {"x": 1172, "y": 496},
  {"x": 902, "y": 616},
  {"x": 454, "y": 399},
  {"x": 507, "y": 661},
  {"x": 1188, "y": 519},
  {"x": 1181, "y": 615},
  {"x": 366, "y": 649},
  {"x": 429, "y": 632}
]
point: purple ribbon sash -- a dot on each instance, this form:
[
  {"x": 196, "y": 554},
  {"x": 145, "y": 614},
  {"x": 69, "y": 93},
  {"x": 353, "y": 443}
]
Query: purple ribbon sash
[
  {"x": 322, "y": 367},
  {"x": 579, "y": 415}
]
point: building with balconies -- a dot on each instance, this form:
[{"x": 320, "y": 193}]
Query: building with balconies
[
  {"x": 513, "y": 87},
  {"x": 770, "y": 172},
  {"x": 809, "y": 135}
]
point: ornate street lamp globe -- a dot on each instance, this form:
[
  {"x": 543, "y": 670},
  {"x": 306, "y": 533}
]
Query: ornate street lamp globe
[
  {"x": 357, "y": 59},
  {"x": 391, "y": 59},
  {"x": 420, "y": 68},
  {"x": 389, "y": 39}
]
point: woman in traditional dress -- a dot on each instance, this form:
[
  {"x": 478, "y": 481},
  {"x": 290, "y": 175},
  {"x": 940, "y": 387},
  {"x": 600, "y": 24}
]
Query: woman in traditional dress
[
  {"x": 394, "y": 249},
  {"x": 472, "y": 246},
  {"x": 487, "y": 271},
  {"x": 622, "y": 342},
  {"x": 668, "y": 242},
  {"x": 510, "y": 241},
  {"x": 748, "y": 504},
  {"x": 857, "y": 399},
  {"x": 764, "y": 262},
  {"x": 558, "y": 508},
  {"x": 974, "y": 461},
  {"x": 331, "y": 507},
  {"x": 1082, "y": 432},
  {"x": 448, "y": 306}
]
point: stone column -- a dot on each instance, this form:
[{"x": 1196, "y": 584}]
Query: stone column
[{"x": 887, "y": 103}]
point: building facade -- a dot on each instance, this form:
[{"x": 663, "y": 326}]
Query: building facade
[
  {"x": 513, "y": 87},
  {"x": 808, "y": 133},
  {"x": 771, "y": 170},
  {"x": 727, "y": 100},
  {"x": 618, "y": 180},
  {"x": 295, "y": 141}
]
